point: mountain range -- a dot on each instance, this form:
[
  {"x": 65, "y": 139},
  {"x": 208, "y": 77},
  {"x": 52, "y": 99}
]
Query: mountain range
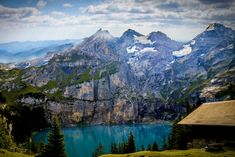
[
  {"x": 134, "y": 78},
  {"x": 21, "y": 54}
]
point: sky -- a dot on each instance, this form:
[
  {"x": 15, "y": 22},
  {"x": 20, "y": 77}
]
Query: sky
[{"x": 182, "y": 20}]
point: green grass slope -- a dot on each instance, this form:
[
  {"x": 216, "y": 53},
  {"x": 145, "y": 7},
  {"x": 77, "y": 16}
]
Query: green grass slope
[
  {"x": 5, "y": 153},
  {"x": 176, "y": 153}
]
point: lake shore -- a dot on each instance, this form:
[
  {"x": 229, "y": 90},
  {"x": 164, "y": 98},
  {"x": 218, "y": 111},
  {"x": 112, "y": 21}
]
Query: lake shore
[{"x": 83, "y": 140}]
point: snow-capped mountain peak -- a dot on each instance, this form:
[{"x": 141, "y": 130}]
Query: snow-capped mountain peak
[
  {"x": 102, "y": 34},
  {"x": 215, "y": 33}
]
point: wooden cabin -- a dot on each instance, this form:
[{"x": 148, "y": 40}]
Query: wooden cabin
[{"x": 212, "y": 122}]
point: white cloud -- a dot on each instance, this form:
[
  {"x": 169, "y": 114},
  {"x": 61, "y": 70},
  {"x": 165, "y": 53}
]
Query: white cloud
[
  {"x": 181, "y": 20},
  {"x": 67, "y": 5},
  {"x": 41, "y": 4},
  {"x": 58, "y": 13},
  {"x": 170, "y": 12},
  {"x": 15, "y": 14}
]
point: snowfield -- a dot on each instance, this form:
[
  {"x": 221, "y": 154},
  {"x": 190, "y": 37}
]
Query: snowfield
[
  {"x": 185, "y": 51},
  {"x": 136, "y": 50}
]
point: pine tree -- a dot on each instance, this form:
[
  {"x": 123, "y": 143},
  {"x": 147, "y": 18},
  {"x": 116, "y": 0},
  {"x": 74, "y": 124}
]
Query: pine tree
[
  {"x": 142, "y": 147},
  {"x": 131, "y": 144},
  {"x": 114, "y": 149},
  {"x": 6, "y": 140},
  {"x": 231, "y": 91},
  {"x": 188, "y": 107},
  {"x": 164, "y": 147},
  {"x": 99, "y": 151},
  {"x": 55, "y": 146},
  {"x": 122, "y": 148},
  {"x": 149, "y": 147},
  {"x": 179, "y": 137},
  {"x": 155, "y": 147},
  {"x": 198, "y": 102}
]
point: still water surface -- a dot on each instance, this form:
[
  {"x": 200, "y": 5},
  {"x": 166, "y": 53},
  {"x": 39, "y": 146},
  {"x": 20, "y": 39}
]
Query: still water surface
[{"x": 83, "y": 140}]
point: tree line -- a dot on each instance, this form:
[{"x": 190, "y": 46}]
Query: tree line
[{"x": 123, "y": 147}]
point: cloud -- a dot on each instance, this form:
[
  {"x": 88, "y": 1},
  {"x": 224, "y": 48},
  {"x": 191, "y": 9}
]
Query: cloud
[
  {"x": 41, "y": 4},
  {"x": 15, "y": 14},
  {"x": 218, "y": 3},
  {"x": 208, "y": 2},
  {"x": 169, "y": 6},
  {"x": 118, "y": 15},
  {"x": 132, "y": 11},
  {"x": 57, "y": 13},
  {"x": 67, "y": 5}
]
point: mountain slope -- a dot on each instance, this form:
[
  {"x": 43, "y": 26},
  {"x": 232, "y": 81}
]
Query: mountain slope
[
  {"x": 212, "y": 53},
  {"x": 148, "y": 57}
]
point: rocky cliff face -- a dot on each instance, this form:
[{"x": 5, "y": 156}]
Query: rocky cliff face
[
  {"x": 131, "y": 79},
  {"x": 209, "y": 55}
]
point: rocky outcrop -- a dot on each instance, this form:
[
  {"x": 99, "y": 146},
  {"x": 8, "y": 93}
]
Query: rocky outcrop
[{"x": 118, "y": 111}]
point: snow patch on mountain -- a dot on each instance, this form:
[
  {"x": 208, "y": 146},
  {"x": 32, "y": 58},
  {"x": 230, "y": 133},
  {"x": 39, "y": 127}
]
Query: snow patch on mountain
[
  {"x": 192, "y": 42},
  {"x": 172, "y": 62},
  {"x": 142, "y": 39},
  {"x": 148, "y": 49},
  {"x": 132, "y": 49},
  {"x": 137, "y": 51},
  {"x": 187, "y": 49}
]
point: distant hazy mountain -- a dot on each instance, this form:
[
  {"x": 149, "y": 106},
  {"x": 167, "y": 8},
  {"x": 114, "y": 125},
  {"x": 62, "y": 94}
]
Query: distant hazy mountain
[
  {"x": 28, "y": 50},
  {"x": 16, "y": 47},
  {"x": 133, "y": 78}
]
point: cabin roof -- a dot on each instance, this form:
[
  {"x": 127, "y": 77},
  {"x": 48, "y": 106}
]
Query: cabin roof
[{"x": 214, "y": 113}]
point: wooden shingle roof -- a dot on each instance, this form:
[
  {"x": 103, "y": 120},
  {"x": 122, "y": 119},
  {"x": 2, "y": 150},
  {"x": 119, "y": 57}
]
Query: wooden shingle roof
[{"x": 215, "y": 113}]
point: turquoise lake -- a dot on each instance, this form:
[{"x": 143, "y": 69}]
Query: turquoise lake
[{"x": 82, "y": 141}]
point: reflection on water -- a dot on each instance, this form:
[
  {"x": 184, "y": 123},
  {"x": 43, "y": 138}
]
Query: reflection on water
[{"x": 82, "y": 141}]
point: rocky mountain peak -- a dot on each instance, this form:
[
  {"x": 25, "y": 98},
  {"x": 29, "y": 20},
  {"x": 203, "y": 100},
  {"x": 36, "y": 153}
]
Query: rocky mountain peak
[
  {"x": 215, "y": 26},
  {"x": 130, "y": 33},
  {"x": 102, "y": 34},
  {"x": 220, "y": 30},
  {"x": 153, "y": 36},
  {"x": 217, "y": 32}
]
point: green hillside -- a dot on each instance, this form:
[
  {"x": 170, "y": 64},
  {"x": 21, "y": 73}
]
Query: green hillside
[
  {"x": 5, "y": 153},
  {"x": 176, "y": 153}
]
